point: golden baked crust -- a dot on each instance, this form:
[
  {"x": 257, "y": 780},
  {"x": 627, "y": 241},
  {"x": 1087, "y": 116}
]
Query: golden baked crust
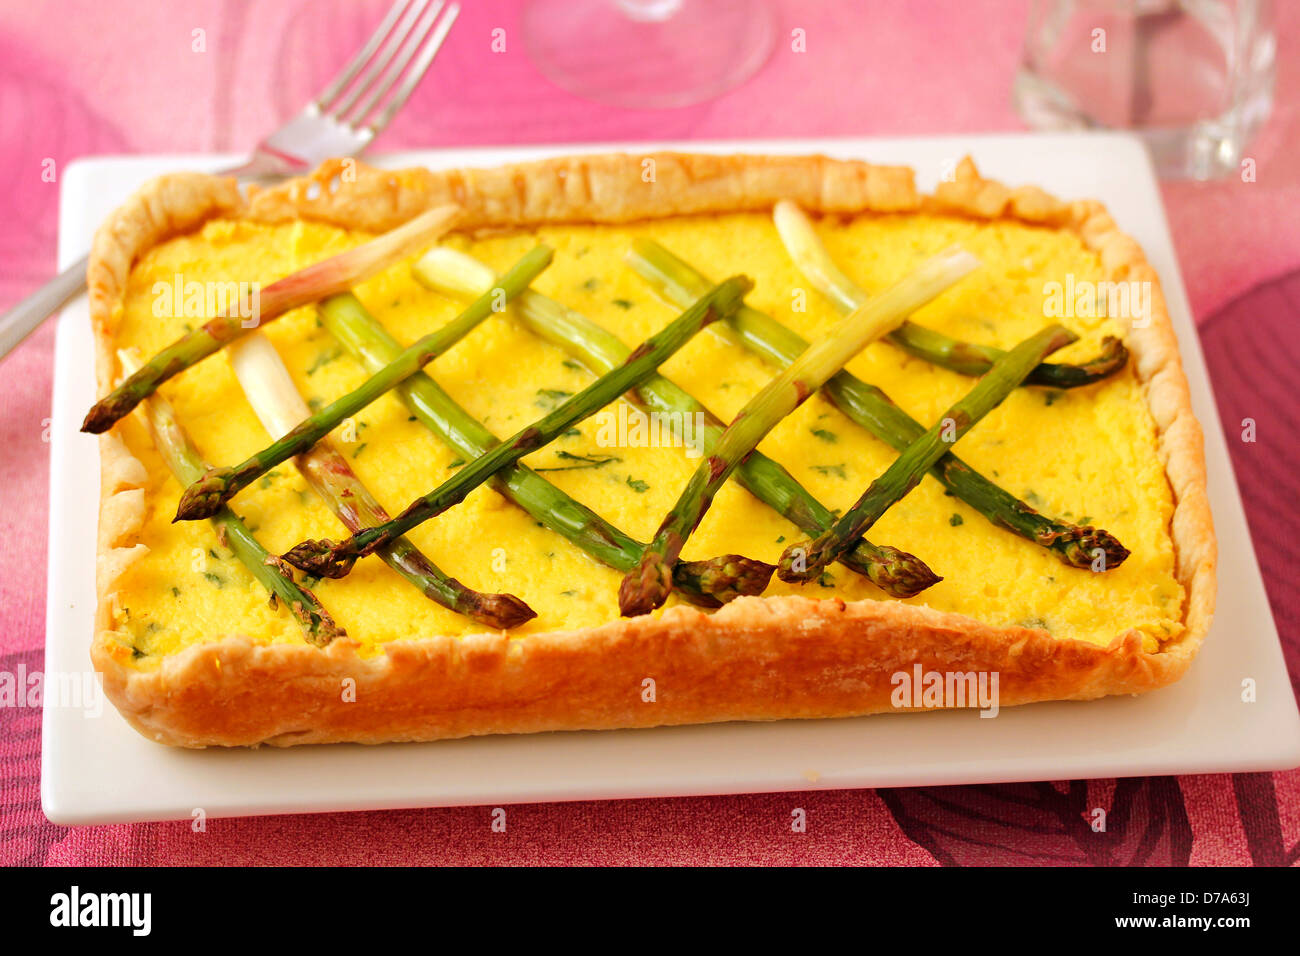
[{"x": 757, "y": 658}]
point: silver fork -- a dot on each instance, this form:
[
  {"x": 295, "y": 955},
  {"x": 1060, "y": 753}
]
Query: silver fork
[{"x": 342, "y": 121}]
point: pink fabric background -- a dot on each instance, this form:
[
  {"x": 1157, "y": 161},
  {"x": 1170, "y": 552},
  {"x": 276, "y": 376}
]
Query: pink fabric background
[{"x": 79, "y": 78}]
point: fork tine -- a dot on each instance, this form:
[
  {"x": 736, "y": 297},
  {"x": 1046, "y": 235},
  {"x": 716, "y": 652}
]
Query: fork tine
[
  {"x": 397, "y": 37},
  {"x": 399, "y": 63},
  {"x": 354, "y": 66},
  {"x": 412, "y": 80}
]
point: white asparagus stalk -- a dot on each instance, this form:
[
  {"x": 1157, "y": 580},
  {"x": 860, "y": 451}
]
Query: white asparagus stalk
[
  {"x": 279, "y": 406},
  {"x": 331, "y": 276},
  {"x": 184, "y": 462}
]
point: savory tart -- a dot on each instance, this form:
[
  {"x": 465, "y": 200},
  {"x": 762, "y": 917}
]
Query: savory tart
[{"x": 940, "y": 502}]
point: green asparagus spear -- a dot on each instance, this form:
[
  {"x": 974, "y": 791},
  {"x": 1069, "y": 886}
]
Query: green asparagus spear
[
  {"x": 648, "y": 585},
  {"x": 871, "y": 408},
  {"x": 966, "y": 358},
  {"x": 707, "y": 583},
  {"x": 895, "y": 571},
  {"x": 183, "y": 459},
  {"x": 804, "y": 561},
  {"x": 219, "y": 485},
  {"x": 278, "y": 405},
  {"x": 336, "y": 274},
  {"x": 320, "y": 557}
]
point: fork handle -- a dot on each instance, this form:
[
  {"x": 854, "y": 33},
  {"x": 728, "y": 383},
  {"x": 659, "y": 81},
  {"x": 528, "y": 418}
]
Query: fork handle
[{"x": 20, "y": 321}]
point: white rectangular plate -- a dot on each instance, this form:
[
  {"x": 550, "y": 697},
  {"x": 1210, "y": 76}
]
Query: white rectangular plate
[{"x": 96, "y": 769}]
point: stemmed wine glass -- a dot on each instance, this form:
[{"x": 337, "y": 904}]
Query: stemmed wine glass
[{"x": 649, "y": 54}]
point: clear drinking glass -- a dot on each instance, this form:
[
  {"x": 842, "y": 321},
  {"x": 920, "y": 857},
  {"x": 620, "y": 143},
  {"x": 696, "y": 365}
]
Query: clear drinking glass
[
  {"x": 649, "y": 54},
  {"x": 1193, "y": 77}
]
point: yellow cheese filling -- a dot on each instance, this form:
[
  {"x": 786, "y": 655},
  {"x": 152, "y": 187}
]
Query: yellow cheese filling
[{"x": 1087, "y": 455}]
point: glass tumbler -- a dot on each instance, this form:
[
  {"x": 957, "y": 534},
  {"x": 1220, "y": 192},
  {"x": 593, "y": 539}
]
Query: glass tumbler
[{"x": 1194, "y": 78}]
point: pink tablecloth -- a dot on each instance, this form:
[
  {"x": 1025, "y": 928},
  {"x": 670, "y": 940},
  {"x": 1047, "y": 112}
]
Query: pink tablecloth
[{"x": 79, "y": 78}]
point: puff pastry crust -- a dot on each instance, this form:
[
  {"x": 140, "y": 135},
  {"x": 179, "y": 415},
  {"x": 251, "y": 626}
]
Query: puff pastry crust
[{"x": 756, "y": 658}]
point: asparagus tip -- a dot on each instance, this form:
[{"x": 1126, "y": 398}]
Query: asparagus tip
[
  {"x": 499, "y": 611},
  {"x": 796, "y": 565},
  {"x": 100, "y": 418},
  {"x": 902, "y": 575},
  {"x": 204, "y": 498},
  {"x": 646, "y": 586},
  {"x": 319, "y": 626},
  {"x": 1112, "y": 357},
  {"x": 315, "y": 621},
  {"x": 319, "y": 559},
  {"x": 1089, "y": 548},
  {"x": 731, "y": 576}
]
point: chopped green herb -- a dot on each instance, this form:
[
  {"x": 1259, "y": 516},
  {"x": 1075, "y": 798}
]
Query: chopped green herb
[
  {"x": 583, "y": 461},
  {"x": 1086, "y": 519},
  {"x": 549, "y": 398},
  {"x": 323, "y": 359},
  {"x": 637, "y": 485},
  {"x": 571, "y": 433},
  {"x": 571, "y": 364},
  {"x": 780, "y": 538},
  {"x": 315, "y": 404},
  {"x": 835, "y": 470},
  {"x": 824, "y": 435},
  {"x": 360, "y": 449},
  {"x": 1050, "y": 397},
  {"x": 622, "y": 303},
  {"x": 176, "y": 592},
  {"x": 955, "y": 520},
  {"x": 212, "y": 554},
  {"x": 215, "y": 578},
  {"x": 591, "y": 284}
]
